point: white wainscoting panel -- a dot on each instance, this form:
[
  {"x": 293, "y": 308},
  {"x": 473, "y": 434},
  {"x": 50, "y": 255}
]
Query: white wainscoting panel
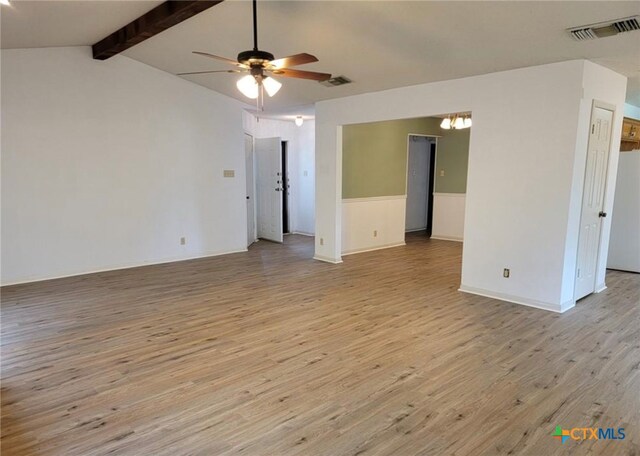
[
  {"x": 362, "y": 216},
  {"x": 448, "y": 216}
]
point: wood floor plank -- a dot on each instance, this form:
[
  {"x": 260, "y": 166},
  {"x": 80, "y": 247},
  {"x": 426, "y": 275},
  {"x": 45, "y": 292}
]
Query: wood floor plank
[{"x": 271, "y": 353}]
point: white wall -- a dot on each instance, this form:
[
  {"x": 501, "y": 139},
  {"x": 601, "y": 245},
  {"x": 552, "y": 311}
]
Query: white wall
[
  {"x": 523, "y": 170},
  {"x": 624, "y": 245},
  {"x": 448, "y": 216},
  {"x": 107, "y": 164},
  {"x": 603, "y": 85},
  {"x": 301, "y": 143},
  {"x": 373, "y": 223},
  {"x": 624, "y": 248}
]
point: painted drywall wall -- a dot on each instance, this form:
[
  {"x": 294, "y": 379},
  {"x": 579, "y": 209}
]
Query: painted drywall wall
[
  {"x": 108, "y": 164},
  {"x": 301, "y": 143},
  {"x": 511, "y": 220},
  {"x": 448, "y": 216},
  {"x": 373, "y": 223},
  {"x": 624, "y": 246},
  {"x": 452, "y": 160},
  {"x": 605, "y": 86},
  {"x": 374, "y": 158}
]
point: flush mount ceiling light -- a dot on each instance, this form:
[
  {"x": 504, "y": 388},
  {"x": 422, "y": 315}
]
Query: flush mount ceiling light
[
  {"x": 299, "y": 120},
  {"x": 455, "y": 122}
]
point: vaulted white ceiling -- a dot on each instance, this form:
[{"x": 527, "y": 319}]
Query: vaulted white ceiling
[{"x": 379, "y": 45}]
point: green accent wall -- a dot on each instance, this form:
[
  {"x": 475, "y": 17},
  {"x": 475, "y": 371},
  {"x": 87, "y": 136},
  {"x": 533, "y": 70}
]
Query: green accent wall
[
  {"x": 453, "y": 157},
  {"x": 374, "y": 157}
]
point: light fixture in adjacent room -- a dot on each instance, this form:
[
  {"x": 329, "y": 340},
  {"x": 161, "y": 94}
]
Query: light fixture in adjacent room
[
  {"x": 299, "y": 120},
  {"x": 455, "y": 122}
]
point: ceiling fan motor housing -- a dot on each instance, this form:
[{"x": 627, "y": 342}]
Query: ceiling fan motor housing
[{"x": 255, "y": 57}]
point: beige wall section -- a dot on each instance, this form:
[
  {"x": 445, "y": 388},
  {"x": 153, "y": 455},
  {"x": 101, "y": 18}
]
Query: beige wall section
[{"x": 374, "y": 157}]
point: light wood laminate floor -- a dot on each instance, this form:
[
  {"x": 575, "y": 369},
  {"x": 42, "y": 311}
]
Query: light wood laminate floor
[{"x": 271, "y": 353}]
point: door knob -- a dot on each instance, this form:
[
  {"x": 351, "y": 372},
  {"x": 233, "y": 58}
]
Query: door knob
[{"x": 602, "y": 214}]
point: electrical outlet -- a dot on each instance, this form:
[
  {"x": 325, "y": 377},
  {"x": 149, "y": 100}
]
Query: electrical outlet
[
  {"x": 375, "y": 233},
  {"x": 183, "y": 240},
  {"x": 321, "y": 241},
  {"x": 505, "y": 273},
  {"x": 442, "y": 173}
]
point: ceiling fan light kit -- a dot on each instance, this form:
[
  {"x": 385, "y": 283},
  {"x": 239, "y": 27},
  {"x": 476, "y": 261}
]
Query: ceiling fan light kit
[
  {"x": 261, "y": 65},
  {"x": 456, "y": 122},
  {"x": 248, "y": 86}
]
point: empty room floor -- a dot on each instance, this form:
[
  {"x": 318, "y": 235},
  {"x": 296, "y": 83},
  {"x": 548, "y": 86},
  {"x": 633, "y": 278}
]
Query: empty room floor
[{"x": 271, "y": 353}]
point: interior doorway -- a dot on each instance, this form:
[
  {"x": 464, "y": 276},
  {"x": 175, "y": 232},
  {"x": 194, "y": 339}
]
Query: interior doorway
[
  {"x": 421, "y": 158},
  {"x": 593, "y": 210},
  {"x": 285, "y": 189}
]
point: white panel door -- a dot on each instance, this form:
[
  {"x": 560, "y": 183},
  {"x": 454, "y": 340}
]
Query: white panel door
[
  {"x": 251, "y": 206},
  {"x": 418, "y": 161},
  {"x": 268, "y": 155},
  {"x": 592, "y": 201}
]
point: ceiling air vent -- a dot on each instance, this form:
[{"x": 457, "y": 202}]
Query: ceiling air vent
[
  {"x": 627, "y": 25},
  {"x": 604, "y": 29},
  {"x": 336, "y": 81}
]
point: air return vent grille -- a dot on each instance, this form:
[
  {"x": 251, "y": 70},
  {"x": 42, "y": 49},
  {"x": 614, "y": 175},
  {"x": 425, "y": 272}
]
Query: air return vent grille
[
  {"x": 583, "y": 34},
  {"x": 604, "y": 29},
  {"x": 627, "y": 25},
  {"x": 336, "y": 81}
]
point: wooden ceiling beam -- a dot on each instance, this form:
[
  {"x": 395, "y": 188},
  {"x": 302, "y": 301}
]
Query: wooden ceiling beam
[{"x": 160, "y": 18}]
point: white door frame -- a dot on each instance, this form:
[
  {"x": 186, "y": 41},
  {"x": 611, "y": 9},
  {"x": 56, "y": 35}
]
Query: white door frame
[
  {"x": 612, "y": 108},
  {"x": 251, "y": 220},
  {"x": 269, "y": 186},
  {"x": 435, "y": 138}
]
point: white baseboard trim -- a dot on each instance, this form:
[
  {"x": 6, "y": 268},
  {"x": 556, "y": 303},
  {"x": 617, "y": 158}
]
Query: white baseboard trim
[
  {"x": 450, "y": 195},
  {"x": 446, "y": 238},
  {"x": 600, "y": 288},
  {"x": 380, "y": 247},
  {"x": 120, "y": 268},
  {"x": 302, "y": 233},
  {"x": 373, "y": 198},
  {"x": 327, "y": 259},
  {"x": 559, "y": 308}
]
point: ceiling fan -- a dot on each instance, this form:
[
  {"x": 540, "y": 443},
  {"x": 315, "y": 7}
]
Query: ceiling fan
[{"x": 261, "y": 66}]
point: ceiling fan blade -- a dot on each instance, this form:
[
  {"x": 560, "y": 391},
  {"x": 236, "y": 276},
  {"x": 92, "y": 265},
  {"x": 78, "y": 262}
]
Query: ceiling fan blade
[
  {"x": 289, "y": 73},
  {"x": 207, "y": 72},
  {"x": 222, "y": 59},
  {"x": 293, "y": 60}
]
